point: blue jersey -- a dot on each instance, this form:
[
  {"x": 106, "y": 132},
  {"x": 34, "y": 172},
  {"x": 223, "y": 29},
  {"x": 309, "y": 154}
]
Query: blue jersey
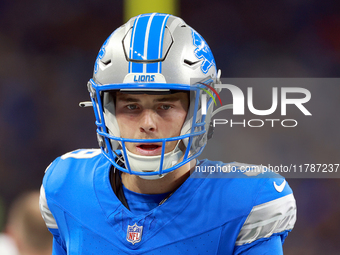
[{"x": 241, "y": 214}]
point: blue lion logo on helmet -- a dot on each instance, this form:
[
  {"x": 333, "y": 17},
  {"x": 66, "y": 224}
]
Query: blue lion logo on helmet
[
  {"x": 203, "y": 52},
  {"x": 100, "y": 55},
  {"x": 102, "y": 52}
]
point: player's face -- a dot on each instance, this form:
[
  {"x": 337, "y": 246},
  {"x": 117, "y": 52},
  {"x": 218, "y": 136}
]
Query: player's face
[{"x": 144, "y": 116}]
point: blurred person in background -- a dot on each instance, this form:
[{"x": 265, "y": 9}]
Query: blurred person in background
[
  {"x": 25, "y": 229},
  {"x": 7, "y": 245}
]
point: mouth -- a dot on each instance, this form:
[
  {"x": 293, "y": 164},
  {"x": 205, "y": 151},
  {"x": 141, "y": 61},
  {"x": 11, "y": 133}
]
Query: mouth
[{"x": 148, "y": 149}]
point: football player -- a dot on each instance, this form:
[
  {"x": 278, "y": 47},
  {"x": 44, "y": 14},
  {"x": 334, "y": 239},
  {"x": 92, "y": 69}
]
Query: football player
[{"x": 143, "y": 192}]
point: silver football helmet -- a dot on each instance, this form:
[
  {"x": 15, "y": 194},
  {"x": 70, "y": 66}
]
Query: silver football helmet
[{"x": 156, "y": 53}]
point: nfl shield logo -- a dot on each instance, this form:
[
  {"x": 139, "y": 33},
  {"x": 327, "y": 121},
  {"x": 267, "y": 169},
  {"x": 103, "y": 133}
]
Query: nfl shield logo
[{"x": 134, "y": 233}]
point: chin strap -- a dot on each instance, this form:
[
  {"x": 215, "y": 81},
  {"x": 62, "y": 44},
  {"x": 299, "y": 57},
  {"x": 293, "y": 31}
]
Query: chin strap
[{"x": 120, "y": 159}]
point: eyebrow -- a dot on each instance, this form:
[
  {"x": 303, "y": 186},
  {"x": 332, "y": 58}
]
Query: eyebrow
[
  {"x": 168, "y": 99},
  {"x": 126, "y": 98}
]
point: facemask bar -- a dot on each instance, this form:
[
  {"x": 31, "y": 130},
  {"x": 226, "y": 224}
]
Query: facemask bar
[
  {"x": 195, "y": 136},
  {"x": 162, "y": 140}
]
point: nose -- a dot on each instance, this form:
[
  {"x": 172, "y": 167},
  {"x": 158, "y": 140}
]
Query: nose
[{"x": 148, "y": 121}]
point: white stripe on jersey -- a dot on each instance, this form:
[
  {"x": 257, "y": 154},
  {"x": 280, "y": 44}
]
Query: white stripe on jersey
[
  {"x": 267, "y": 219},
  {"x": 45, "y": 211}
]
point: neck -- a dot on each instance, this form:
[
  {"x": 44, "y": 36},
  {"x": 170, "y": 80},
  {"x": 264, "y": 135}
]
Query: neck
[{"x": 168, "y": 183}]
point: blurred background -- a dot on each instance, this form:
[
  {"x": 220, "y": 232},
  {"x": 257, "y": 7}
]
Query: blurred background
[{"x": 47, "y": 53}]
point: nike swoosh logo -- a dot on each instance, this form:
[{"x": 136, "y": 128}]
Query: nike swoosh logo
[{"x": 279, "y": 188}]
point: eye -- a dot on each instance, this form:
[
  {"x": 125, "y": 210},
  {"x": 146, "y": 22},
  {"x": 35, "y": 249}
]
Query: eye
[
  {"x": 131, "y": 107},
  {"x": 165, "y": 107}
]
